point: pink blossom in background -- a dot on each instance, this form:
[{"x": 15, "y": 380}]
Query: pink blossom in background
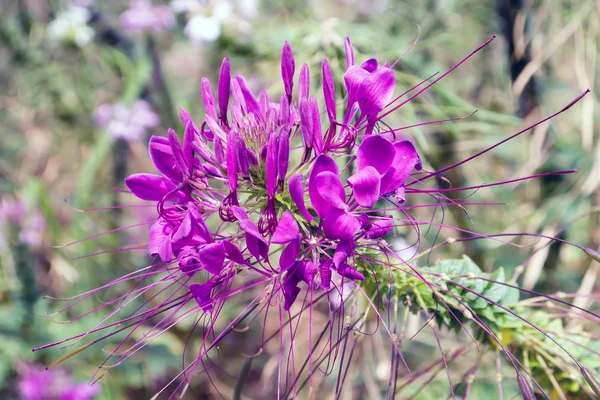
[
  {"x": 30, "y": 223},
  {"x": 143, "y": 16},
  {"x": 37, "y": 383},
  {"x": 126, "y": 123}
]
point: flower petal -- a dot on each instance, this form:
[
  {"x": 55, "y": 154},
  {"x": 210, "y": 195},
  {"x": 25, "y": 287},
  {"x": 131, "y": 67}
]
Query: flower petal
[
  {"x": 366, "y": 185},
  {"x": 370, "y": 65},
  {"x": 177, "y": 151},
  {"x": 162, "y": 157},
  {"x": 233, "y": 253},
  {"x": 322, "y": 163},
  {"x": 353, "y": 79},
  {"x": 405, "y": 159},
  {"x": 149, "y": 186},
  {"x": 325, "y": 272},
  {"x": 331, "y": 190},
  {"x": 348, "y": 272},
  {"x": 339, "y": 225},
  {"x": 202, "y": 295},
  {"x": 289, "y": 254},
  {"x": 160, "y": 232},
  {"x": 376, "y": 91},
  {"x": 212, "y": 257},
  {"x": 290, "y": 291},
  {"x": 343, "y": 250},
  {"x": 380, "y": 228},
  {"x": 377, "y": 152},
  {"x": 287, "y": 229}
]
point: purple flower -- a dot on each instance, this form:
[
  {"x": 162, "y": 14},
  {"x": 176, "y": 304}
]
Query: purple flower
[
  {"x": 37, "y": 383},
  {"x": 231, "y": 222}
]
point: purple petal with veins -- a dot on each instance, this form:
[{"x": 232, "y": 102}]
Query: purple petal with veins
[
  {"x": 380, "y": 228},
  {"x": 366, "y": 185},
  {"x": 160, "y": 233},
  {"x": 376, "y": 91},
  {"x": 343, "y": 250},
  {"x": 340, "y": 225},
  {"x": 212, "y": 257},
  {"x": 405, "y": 160},
  {"x": 287, "y": 230},
  {"x": 323, "y": 163},
  {"x": 233, "y": 253},
  {"x": 149, "y": 186},
  {"x": 370, "y": 65},
  {"x": 377, "y": 152},
  {"x": 348, "y": 272},
  {"x": 177, "y": 152},
  {"x": 202, "y": 295},
  {"x": 331, "y": 190},
  {"x": 353, "y": 79},
  {"x": 325, "y": 271},
  {"x": 163, "y": 159},
  {"x": 289, "y": 254}
]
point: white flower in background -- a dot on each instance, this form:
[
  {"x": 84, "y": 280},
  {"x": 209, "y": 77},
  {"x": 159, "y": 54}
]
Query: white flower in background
[
  {"x": 203, "y": 29},
  {"x": 71, "y": 26},
  {"x": 206, "y": 18},
  {"x": 126, "y": 123}
]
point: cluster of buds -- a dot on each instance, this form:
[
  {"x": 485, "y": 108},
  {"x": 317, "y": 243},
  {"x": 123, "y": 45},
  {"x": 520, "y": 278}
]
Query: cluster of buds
[{"x": 246, "y": 147}]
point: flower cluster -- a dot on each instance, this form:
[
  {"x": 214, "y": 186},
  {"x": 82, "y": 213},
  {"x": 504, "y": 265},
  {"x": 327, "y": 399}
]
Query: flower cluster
[
  {"x": 37, "y": 383},
  {"x": 266, "y": 194},
  {"x": 127, "y": 123},
  {"x": 249, "y": 149}
]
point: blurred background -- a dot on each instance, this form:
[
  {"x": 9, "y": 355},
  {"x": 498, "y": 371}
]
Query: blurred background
[{"x": 84, "y": 84}]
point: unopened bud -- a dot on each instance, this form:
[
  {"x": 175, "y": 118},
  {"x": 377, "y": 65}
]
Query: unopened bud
[
  {"x": 525, "y": 387},
  {"x": 589, "y": 378}
]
